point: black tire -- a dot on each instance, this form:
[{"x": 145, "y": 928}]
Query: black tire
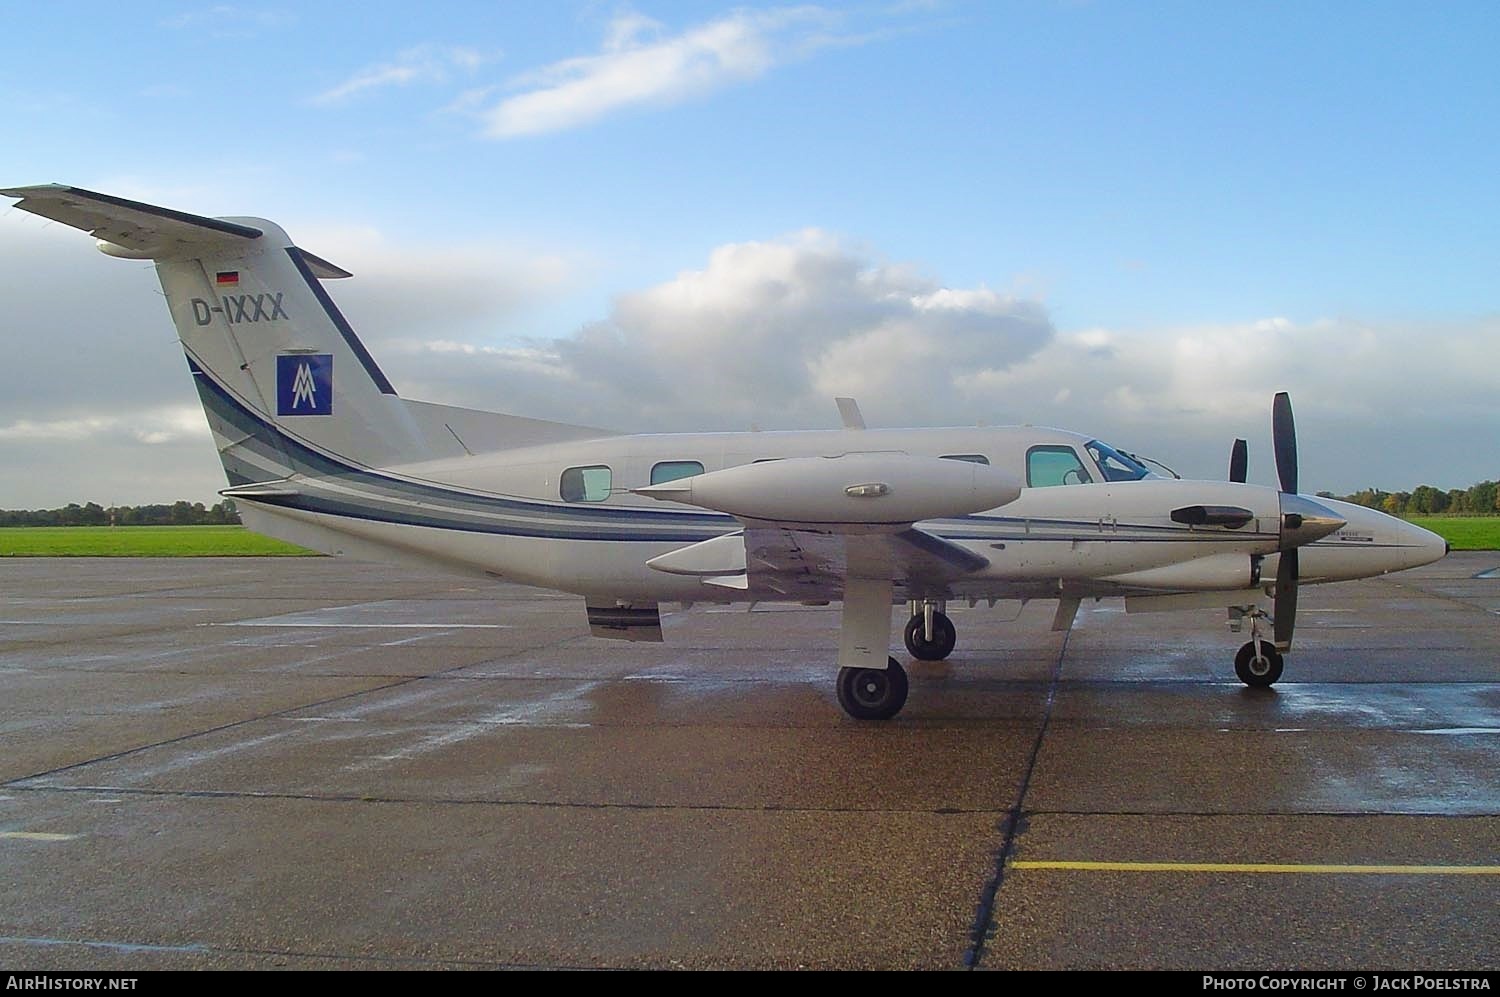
[
  {"x": 873, "y": 693},
  {"x": 1258, "y": 675},
  {"x": 944, "y": 637}
]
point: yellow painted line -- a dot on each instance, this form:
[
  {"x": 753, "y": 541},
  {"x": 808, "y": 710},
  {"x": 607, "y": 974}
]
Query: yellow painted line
[
  {"x": 36, "y": 836},
  {"x": 1255, "y": 867}
]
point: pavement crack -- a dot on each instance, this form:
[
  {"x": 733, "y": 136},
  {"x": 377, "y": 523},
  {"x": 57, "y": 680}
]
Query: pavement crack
[{"x": 1011, "y": 825}]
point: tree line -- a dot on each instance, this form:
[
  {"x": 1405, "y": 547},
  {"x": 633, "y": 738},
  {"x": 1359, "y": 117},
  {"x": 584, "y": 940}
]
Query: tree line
[
  {"x": 94, "y": 514},
  {"x": 1482, "y": 499}
]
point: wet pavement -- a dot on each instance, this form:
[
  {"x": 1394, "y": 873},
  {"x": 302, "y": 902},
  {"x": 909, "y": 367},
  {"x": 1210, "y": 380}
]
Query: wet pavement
[{"x": 311, "y": 763}]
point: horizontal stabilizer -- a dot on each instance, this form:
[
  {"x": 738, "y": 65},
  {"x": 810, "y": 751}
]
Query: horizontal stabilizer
[{"x": 144, "y": 229}]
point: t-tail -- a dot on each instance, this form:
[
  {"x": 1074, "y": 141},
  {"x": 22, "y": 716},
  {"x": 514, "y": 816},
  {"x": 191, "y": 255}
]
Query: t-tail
[{"x": 288, "y": 387}]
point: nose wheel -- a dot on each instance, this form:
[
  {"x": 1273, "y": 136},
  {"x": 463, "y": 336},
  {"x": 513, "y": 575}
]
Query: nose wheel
[
  {"x": 1258, "y": 664},
  {"x": 873, "y": 693}
]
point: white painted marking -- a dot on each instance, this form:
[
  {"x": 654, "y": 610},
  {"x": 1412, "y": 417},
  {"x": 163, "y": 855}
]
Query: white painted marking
[
  {"x": 366, "y": 626},
  {"x": 537, "y": 713},
  {"x": 1460, "y": 730},
  {"x": 106, "y": 799},
  {"x": 330, "y": 720},
  {"x": 36, "y": 836}
]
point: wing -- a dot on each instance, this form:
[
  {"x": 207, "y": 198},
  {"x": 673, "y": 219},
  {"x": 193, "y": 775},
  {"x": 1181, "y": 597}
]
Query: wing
[{"x": 802, "y": 565}]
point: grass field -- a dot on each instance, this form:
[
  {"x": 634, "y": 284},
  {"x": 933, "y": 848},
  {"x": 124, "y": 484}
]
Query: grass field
[
  {"x": 141, "y": 541},
  {"x": 1464, "y": 532}
]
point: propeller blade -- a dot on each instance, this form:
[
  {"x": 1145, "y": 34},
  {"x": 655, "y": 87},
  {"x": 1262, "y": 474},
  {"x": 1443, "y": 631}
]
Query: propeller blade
[
  {"x": 1239, "y": 461},
  {"x": 1284, "y": 436},
  {"x": 1284, "y": 609}
]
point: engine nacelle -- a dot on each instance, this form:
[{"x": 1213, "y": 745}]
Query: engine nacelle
[
  {"x": 858, "y": 491},
  {"x": 1214, "y": 573}
]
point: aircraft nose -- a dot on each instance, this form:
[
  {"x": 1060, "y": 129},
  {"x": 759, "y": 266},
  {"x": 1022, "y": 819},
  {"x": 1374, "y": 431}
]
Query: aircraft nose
[{"x": 1422, "y": 545}]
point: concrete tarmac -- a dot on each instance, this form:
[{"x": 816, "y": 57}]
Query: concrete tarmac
[{"x": 253, "y": 763}]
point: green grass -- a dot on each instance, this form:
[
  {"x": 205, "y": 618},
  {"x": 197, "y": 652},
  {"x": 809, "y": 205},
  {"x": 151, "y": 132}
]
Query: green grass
[
  {"x": 141, "y": 541},
  {"x": 1463, "y": 532}
]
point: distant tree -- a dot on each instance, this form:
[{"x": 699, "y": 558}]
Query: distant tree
[
  {"x": 1484, "y": 497},
  {"x": 1427, "y": 499},
  {"x": 93, "y": 514}
]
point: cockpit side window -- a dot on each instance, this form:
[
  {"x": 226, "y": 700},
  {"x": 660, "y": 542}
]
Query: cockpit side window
[
  {"x": 1115, "y": 465},
  {"x": 1054, "y": 465},
  {"x": 972, "y": 458}
]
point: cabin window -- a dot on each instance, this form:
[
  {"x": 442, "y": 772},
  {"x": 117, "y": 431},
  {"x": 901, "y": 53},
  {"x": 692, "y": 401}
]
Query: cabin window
[
  {"x": 671, "y": 470},
  {"x": 1049, "y": 466},
  {"x": 972, "y": 458},
  {"x": 585, "y": 484}
]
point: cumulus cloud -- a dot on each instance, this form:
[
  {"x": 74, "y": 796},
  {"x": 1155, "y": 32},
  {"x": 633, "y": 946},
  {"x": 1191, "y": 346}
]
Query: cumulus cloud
[
  {"x": 766, "y": 333},
  {"x": 427, "y": 63},
  {"x": 639, "y": 64}
]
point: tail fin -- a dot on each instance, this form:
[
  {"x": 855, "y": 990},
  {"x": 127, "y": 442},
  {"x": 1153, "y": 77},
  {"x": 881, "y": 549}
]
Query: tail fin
[{"x": 287, "y": 385}]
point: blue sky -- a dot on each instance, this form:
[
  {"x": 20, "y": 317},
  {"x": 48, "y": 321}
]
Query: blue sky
[{"x": 1199, "y": 203}]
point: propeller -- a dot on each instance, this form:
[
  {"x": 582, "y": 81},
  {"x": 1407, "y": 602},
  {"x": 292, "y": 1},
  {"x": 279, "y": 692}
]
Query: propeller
[
  {"x": 1284, "y": 437},
  {"x": 1239, "y": 461},
  {"x": 1302, "y": 520}
]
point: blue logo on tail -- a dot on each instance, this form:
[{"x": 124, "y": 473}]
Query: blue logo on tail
[{"x": 304, "y": 384}]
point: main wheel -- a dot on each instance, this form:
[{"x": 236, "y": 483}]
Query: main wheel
[
  {"x": 944, "y": 636},
  {"x": 872, "y": 693},
  {"x": 1258, "y": 671}
]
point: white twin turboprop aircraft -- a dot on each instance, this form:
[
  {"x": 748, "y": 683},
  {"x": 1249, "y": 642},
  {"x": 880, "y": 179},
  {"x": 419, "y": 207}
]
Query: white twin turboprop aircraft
[{"x": 319, "y": 450}]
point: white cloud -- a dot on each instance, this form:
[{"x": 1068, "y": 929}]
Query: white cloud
[
  {"x": 766, "y": 333},
  {"x": 639, "y": 65},
  {"x": 427, "y": 63},
  {"x": 229, "y": 21},
  {"x": 149, "y": 426}
]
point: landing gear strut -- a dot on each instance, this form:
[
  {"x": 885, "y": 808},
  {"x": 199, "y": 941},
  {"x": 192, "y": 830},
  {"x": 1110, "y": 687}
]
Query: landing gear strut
[
  {"x": 873, "y": 693},
  {"x": 929, "y": 634}
]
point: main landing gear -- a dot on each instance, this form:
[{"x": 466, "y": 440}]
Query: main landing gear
[
  {"x": 868, "y": 689},
  {"x": 873, "y": 693},
  {"x": 929, "y": 634}
]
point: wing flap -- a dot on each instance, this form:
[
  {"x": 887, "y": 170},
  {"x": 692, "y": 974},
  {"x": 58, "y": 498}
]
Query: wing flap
[{"x": 804, "y": 565}]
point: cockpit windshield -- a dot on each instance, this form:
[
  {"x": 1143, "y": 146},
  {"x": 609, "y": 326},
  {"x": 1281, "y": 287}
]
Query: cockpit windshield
[{"x": 1115, "y": 465}]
